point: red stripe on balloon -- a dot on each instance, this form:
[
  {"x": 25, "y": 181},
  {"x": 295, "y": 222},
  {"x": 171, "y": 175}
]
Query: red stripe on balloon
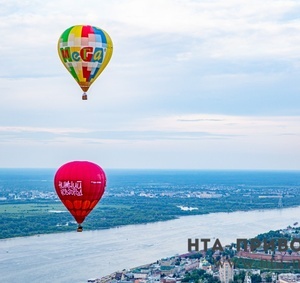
[
  {"x": 86, "y": 30},
  {"x": 86, "y": 73}
]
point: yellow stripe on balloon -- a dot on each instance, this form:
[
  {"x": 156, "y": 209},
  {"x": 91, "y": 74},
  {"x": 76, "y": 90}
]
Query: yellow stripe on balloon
[{"x": 76, "y": 30}]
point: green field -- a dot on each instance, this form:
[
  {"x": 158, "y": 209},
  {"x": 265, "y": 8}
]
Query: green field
[
  {"x": 37, "y": 208},
  {"x": 30, "y": 208},
  {"x": 30, "y": 217}
]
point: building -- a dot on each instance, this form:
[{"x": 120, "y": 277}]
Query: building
[
  {"x": 205, "y": 265},
  {"x": 191, "y": 264},
  {"x": 167, "y": 269},
  {"x": 247, "y": 278},
  {"x": 289, "y": 278},
  {"x": 140, "y": 273},
  {"x": 226, "y": 271}
]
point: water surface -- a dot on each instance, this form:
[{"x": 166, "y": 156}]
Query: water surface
[{"x": 75, "y": 257}]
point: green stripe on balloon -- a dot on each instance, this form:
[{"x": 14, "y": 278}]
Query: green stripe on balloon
[
  {"x": 73, "y": 73},
  {"x": 65, "y": 35}
]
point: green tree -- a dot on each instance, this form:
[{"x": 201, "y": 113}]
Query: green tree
[{"x": 255, "y": 278}]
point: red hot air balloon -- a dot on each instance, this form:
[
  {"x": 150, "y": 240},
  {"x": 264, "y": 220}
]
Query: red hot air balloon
[{"x": 80, "y": 185}]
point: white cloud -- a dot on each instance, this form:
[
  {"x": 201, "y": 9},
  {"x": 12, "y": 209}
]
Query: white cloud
[
  {"x": 195, "y": 127},
  {"x": 210, "y": 78}
]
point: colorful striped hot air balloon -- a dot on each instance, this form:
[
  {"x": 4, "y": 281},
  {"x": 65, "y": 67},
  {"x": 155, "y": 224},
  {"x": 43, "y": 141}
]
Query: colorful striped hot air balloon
[{"x": 85, "y": 52}]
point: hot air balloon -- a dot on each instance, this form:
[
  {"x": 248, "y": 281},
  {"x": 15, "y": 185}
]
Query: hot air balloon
[
  {"x": 80, "y": 185},
  {"x": 85, "y": 52}
]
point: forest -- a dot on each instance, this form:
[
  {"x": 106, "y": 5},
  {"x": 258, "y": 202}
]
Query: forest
[
  {"x": 40, "y": 216},
  {"x": 30, "y": 206}
]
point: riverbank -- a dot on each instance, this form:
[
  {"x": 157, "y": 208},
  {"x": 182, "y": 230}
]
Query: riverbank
[
  {"x": 75, "y": 257},
  {"x": 30, "y": 206},
  {"x": 29, "y": 219}
]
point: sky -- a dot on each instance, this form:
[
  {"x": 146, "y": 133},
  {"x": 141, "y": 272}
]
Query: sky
[{"x": 192, "y": 84}]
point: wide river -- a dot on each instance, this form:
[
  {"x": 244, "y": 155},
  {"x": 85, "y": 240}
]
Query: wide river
[{"x": 75, "y": 257}]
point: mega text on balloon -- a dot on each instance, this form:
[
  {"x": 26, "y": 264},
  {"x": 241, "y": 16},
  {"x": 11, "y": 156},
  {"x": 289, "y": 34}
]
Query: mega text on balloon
[{"x": 87, "y": 54}]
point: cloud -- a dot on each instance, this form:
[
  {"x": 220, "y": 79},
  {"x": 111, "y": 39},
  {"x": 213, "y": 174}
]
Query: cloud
[
  {"x": 195, "y": 127},
  {"x": 187, "y": 30},
  {"x": 191, "y": 77},
  {"x": 198, "y": 120}
]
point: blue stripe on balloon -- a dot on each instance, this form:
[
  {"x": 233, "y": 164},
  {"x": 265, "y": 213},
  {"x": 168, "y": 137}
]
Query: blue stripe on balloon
[{"x": 100, "y": 36}]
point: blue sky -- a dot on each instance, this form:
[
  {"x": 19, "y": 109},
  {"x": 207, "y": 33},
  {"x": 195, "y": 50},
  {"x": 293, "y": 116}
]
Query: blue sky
[{"x": 206, "y": 84}]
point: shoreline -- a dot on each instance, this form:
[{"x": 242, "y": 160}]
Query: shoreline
[
  {"x": 96, "y": 254},
  {"x": 152, "y": 222}
]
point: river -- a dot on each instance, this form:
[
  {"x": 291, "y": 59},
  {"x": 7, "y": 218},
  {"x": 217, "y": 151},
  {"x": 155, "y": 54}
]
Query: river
[{"x": 75, "y": 257}]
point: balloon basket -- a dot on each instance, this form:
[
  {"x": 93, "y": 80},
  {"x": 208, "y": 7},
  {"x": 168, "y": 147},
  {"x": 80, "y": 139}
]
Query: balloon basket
[
  {"x": 84, "y": 96},
  {"x": 79, "y": 229}
]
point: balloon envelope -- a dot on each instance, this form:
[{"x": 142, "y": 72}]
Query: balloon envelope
[
  {"x": 85, "y": 51},
  {"x": 80, "y": 185}
]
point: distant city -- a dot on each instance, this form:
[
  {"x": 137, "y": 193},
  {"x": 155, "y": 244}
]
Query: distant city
[{"x": 171, "y": 191}]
